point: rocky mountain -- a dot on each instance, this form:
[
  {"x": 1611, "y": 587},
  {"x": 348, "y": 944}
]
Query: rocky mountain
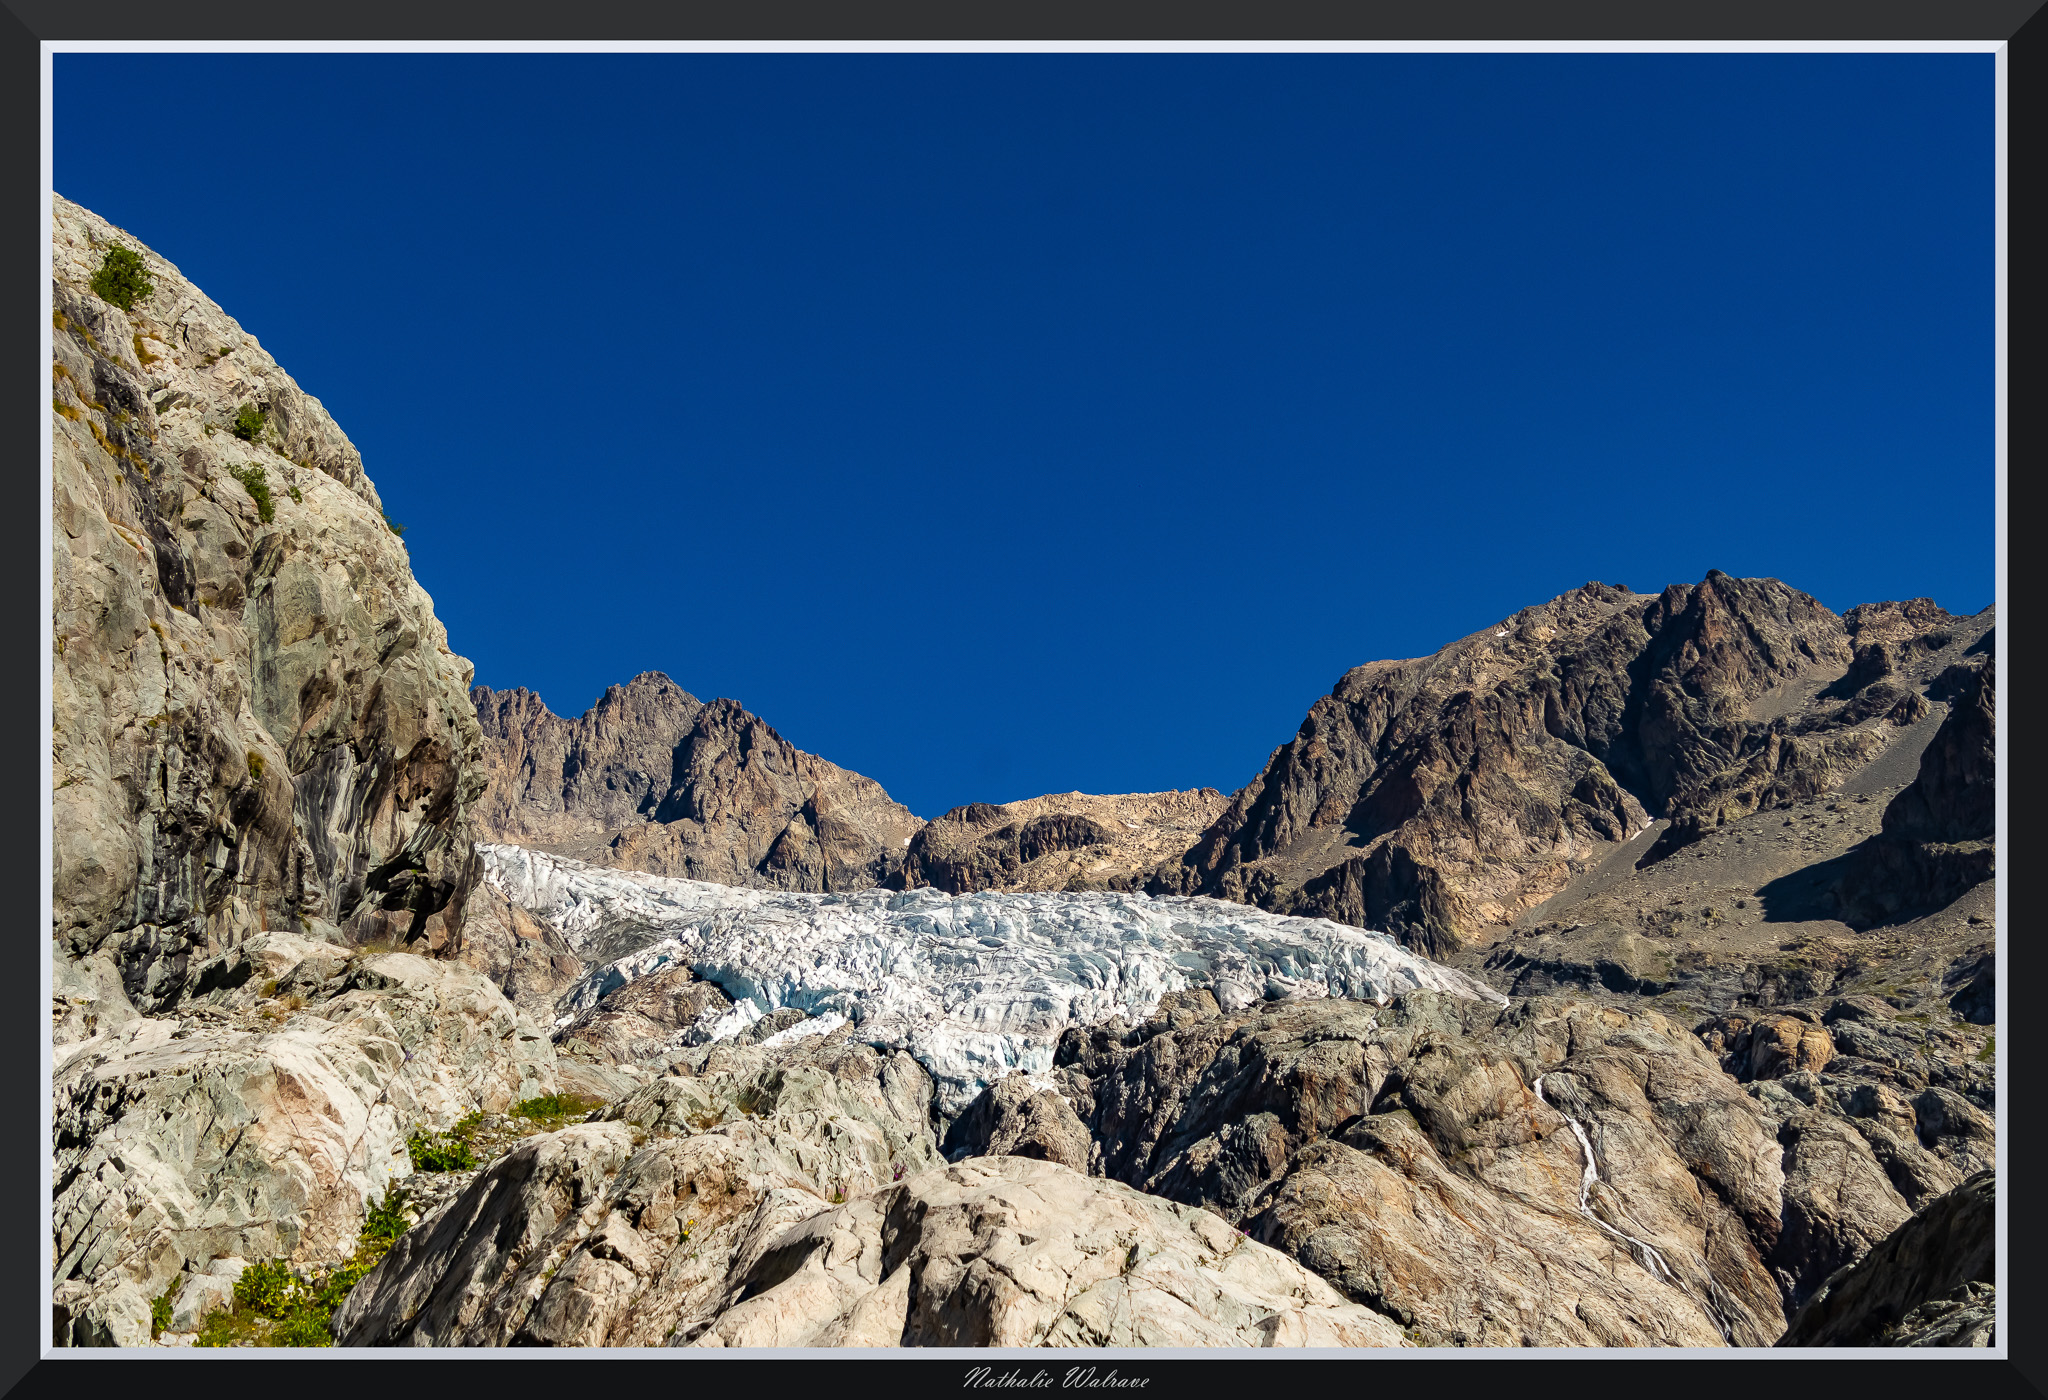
[
  {"x": 1063, "y": 841},
  {"x": 1443, "y": 797},
  {"x": 652, "y": 779},
  {"x": 258, "y": 722}
]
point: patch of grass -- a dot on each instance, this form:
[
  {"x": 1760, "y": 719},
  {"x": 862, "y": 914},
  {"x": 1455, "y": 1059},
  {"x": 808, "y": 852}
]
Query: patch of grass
[
  {"x": 297, "y": 499},
  {"x": 66, "y": 411},
  {"x": 249, "y": 421},
  {"x": 142, "y": 356},
  {"x": 432, "y": 1152},
  {"x": 59, "y": 321},
  {"x": 1990, "y": 1050},
  {"x": 258, "y": 486},
  {"x": 256, "y": 765},
  {"x": 122, "y": 279},
  {"x": 553, "y": 1111},
  {"x": 465, "y": 1130}
]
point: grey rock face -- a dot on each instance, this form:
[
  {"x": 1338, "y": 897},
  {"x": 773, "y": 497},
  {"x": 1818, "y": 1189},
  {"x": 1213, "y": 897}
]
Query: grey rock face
[
  {"x": 263, "y": 1120},
  {"x": 524, "y": 956},
  {"x": 1914, "y": 1287},
  {"x": 1433, "y": 797},
  {"x": 1406, "y": 1155},
  {"x": 1019, "y": 1116},
  {"x": 585, "y": 1239},
  {"x": 258, "y": 723},
  {"x": 651, "y": 779},
  {"x": 1010, "y": 1252},
  {"x": 642, "y": 1020},
  {"x": 761, "y": 1204}
]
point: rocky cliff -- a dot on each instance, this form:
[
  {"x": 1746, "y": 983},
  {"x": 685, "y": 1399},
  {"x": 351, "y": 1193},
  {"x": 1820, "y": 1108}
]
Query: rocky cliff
[
  {"x": 652, "y": 779},
  {"x": 1062, "y": 841},
  {"x": 1438, "y": 797},
  {"x": 257, "y": 721},
  {"x": 1936, "y": 839},
  {"x": 263, "y": 760}
]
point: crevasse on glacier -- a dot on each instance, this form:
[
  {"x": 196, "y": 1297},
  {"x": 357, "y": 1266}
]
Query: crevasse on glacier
[{"x": 972, "y": 986}]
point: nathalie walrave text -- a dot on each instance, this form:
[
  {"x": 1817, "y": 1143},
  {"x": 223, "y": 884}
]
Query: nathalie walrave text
[{"x": 1076, "y": 1378}]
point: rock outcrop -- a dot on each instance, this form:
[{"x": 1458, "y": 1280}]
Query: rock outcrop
[
  {"x": 1431, "y": 1160},
  {"x": 624, "y": 1232},
  {"x": 1938, "y": 835},
  {"x": 554, "y": 779},
  {"x": 257, "y": 720},
  {"x": 797, "y": 1199},
  {"x": 1931, "y": 1282},
  {"x": 652, "y": 779},
  {"x": 1008, "y": 1252},
  {"x": 1063, "y": 841},
  {"x": 263, "y": 1120},
  {"x": 1438, "y": 796}
]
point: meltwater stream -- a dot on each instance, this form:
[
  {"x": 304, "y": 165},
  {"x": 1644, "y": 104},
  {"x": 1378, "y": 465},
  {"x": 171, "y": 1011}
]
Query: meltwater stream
[{"x": 1645, "y": 1253}]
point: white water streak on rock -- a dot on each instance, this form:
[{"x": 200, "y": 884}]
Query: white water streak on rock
[
  {"x": 1645, "y": 1253},
  {"x": 973, "y": 986}
]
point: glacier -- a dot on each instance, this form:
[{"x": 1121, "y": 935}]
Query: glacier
[{"x": 972, "y": 986}]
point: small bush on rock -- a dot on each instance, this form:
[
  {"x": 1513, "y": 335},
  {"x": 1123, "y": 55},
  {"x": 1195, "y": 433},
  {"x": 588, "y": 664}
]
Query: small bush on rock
[
  {"x": 431, "y": 1152},
  {"x": 249, "y": 422},
  {"x": 258, "y": 486},
  {"x": 122, "y": 279},
  {"x": 160, "y": 1313}
]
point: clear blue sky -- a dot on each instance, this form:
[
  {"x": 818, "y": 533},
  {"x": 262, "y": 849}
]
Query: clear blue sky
[{"x": 1006, "y": 424}]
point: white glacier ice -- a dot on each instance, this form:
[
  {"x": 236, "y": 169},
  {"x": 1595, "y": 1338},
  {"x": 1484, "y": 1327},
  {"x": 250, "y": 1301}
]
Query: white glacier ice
[{"x": 973, "y": 986}]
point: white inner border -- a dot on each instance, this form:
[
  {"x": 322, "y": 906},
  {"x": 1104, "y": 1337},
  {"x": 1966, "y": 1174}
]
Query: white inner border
[{"x": 1000, "y": 1359}]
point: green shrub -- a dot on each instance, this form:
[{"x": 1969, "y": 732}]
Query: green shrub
[
  {"x": 249, "y": 421},
  {"x": 275, "y": 1307},
  {"x": 430, "y": 1152},
  {"x": 258, "y": 486},
  {"x": 297, "y": 499},
  {"x": 160, "y": 1313},
  {"x": 1990, "y": 1050},
  {"x": 394, "y": 527},
  {"x": 122, "y": 280},
  {"x": 387, "y": 1219},
  {"x": 267, "y": 1288},
  {"x": 256, "y": 765}
]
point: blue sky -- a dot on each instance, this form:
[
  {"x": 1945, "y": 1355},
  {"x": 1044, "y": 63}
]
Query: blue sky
[{"x": 1004, "y": 424}]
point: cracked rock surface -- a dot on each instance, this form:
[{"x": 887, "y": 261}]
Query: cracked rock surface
[{"x": 262, "y": 1121}]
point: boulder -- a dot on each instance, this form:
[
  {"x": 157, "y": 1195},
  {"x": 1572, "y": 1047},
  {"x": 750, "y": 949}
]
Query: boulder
[
  {"x": 1008, "y": 1252},
  {"x": 1914, "y": 1281}
]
